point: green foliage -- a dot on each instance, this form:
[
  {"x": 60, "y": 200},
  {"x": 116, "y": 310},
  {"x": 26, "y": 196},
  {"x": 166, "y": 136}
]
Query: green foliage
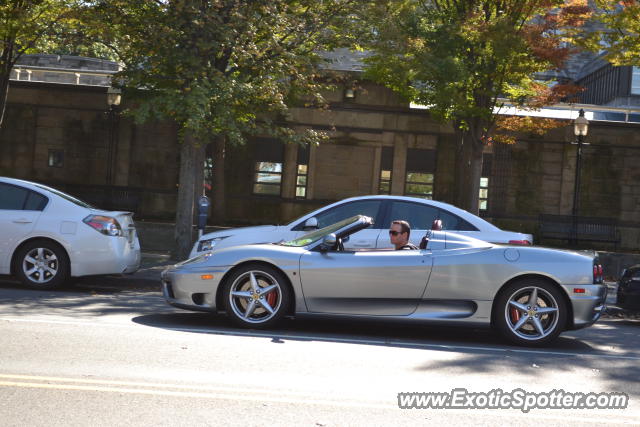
[
  {"x": 28, "y": 26},
  {"x": 227, "y": 68},
  {"x": 619, "y": 31},
  {"x": 461, "y": 57}
]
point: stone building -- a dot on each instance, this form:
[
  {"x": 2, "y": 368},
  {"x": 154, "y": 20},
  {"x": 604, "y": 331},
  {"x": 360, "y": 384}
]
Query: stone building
[{"x": 65, "y": 134}]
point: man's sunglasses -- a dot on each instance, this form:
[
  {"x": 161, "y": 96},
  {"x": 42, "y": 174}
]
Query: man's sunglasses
[{"x": 394, "y": 232}]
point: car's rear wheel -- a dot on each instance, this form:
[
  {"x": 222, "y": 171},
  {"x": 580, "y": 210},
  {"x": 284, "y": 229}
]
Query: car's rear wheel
[
  {"x": 256, "y": 296},
  {"x": 41, "y": 264},
  {"x": 530, "y": 312}
]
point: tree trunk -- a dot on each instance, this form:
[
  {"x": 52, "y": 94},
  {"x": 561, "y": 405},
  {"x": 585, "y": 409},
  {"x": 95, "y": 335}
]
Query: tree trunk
[
  {"x": 469, "y": 171},
  {"x": 7, "y": 62},
  {"x": 218, "y": 202},
  {"x": 186, "y": 203}
]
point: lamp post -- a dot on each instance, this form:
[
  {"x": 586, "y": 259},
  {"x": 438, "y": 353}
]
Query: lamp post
[
  {"x": 580, "y": 129},
  {"x": 113, "y": 101}
]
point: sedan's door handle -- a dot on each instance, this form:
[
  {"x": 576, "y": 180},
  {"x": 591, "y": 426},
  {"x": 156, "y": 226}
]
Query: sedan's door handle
[{"x": 22, "y": 221}]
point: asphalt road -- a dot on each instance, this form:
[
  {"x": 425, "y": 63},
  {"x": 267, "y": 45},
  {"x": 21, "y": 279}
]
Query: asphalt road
[{"x": 105, "y": 354}]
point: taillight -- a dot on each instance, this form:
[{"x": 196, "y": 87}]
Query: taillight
[
  {"x": 598, "y": 276},
  {"x": 104, "y": 224},
  {"x": 519, "y": 242}
]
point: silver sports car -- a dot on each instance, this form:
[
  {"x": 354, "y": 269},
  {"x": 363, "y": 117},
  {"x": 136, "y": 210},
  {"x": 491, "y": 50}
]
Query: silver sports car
[{"x": 529, "y": 294}]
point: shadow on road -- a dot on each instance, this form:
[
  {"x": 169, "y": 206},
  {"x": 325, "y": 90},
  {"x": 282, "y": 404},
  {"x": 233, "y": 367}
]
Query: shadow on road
[
  {"x": 86, "y": 298},
  {"x": 357, "y": 331}
]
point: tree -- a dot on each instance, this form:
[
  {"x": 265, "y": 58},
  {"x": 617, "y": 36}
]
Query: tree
[
  {"x": 464, "y": 58},
  {"x": 619, "y": 32},
  {"x": 28, "y": 26},
  {"x": 221, "y": 70}
]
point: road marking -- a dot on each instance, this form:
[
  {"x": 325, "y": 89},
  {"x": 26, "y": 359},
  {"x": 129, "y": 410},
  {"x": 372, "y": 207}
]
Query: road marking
[
  {"x": 330, "y": 339},
  {"x": 205, "y": 392},
  {"x": 249, "y": 394}
]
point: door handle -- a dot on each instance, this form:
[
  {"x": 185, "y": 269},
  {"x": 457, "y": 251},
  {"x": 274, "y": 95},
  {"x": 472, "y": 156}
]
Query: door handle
[
  {"x": 363, "y": 245},
  {"x": 22, "y": 221}
]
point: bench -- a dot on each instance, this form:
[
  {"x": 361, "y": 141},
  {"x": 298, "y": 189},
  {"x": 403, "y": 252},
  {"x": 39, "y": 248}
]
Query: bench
[{"x": 579, "y": 228}]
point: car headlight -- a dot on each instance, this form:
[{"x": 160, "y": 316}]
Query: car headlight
[{"x": 208, "y": 244}]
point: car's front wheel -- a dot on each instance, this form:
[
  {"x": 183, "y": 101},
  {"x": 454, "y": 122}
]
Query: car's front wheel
[
  {"x": 530, "y": 312},
  {"x": 41, "y": 264},
  {"x": 256, "y": 296}
]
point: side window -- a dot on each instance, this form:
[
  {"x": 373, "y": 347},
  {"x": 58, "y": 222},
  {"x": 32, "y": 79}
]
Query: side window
[
  {"x": 35, "y": 202},
  {"x": 338, "y": 213},
  {"x": 419, "y": 216},
  {"x": 635, "y": 275},
  {"x": 12, "y": 197},
  {"x": 454, "y": 222}
]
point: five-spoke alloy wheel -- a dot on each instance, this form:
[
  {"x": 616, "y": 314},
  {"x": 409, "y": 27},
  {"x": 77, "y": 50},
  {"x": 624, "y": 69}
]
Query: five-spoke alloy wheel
[
  {"x": 41, "y": 264},
  {"x": 256, "y": 296},
  {"x": 530, "y": 312}
]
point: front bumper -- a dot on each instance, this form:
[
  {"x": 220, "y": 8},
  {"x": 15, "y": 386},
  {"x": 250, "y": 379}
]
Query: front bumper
[
  {"x": 587, "y": 307},
  {"x": 188, "y": 290}
]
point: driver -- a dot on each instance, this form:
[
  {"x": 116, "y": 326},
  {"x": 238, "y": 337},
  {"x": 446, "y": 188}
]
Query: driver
[{"x": 399, "y": 235}]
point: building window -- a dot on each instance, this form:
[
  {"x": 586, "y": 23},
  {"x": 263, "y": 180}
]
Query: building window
[
  {"x": 419, "y": 184},
  {"x": 421, "y": 166},
  {"x": 635, "y": 81},
  {"x": 485, "y": 174},
  {"x": 302, "y": 171},
  {"x": 301, "y": 182},
  {"x": 268, "y": 177},
  {"x": 386, "y": 165},
  {"x": 56, "y": 159},
  {"x": 483, "y": 198},
  {"x": 385, "y": 182}
]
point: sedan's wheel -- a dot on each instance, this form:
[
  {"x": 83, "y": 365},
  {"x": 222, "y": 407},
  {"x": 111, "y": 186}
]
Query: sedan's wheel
[
  {"x": 256, "y": 296},
  {"x": 530, "y": 312},
  {"x": 41, "y": 264}
]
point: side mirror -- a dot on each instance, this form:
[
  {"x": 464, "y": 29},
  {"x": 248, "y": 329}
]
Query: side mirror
[
  {"x": 311, "y": 223},
  {"x": 328, "y": 242}
]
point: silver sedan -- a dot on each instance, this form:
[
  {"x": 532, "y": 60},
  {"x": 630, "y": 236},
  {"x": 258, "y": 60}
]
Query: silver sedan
[{"x": 529, "y": 294}]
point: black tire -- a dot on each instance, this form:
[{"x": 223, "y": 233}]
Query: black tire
[
  {"x": 268, "y": 308},
  {"x": 527, "y": 324},
  {"x": 42, "y": 264}
]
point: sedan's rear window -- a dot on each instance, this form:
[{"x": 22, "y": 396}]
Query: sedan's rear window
[
  {"x": 35, "y": 202},
  {"x": 12, "y": 197},
  {"x": 66, "y": 196}
]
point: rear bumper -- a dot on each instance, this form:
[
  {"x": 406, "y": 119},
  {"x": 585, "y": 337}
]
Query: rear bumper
[
  {"x": 587, "y": 307},
  {"x": 107, "y": 255}
]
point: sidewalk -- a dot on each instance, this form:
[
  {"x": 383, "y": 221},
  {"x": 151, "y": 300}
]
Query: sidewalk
[{"x": 147, "y": 278}]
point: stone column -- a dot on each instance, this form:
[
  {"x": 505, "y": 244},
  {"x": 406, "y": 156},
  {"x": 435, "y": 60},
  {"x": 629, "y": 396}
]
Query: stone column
[
  {"x": 375, "y": 169},
  {"x": 288, "y": 184},
  {"x": 567, "y": 183},
  {"x": 311, "y": 171},
  {"x": 399, "y": 164},
  {"x": 289, "y": 171},
  {"x": 122, "y": 153}
]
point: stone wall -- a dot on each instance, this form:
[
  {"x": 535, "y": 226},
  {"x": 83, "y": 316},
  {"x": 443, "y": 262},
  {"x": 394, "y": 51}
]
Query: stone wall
[{"x": 535, "y": 175}]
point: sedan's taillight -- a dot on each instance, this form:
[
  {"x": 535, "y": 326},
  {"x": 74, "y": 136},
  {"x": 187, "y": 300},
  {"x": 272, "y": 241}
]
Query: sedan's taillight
[
  {"x": 104, "y": 224},
  {"x": 519, "y": 242},
  {"x": 598, "y": 276}
]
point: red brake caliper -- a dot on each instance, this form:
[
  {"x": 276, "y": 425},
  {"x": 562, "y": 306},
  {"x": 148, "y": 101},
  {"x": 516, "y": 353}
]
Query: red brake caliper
[
  {"x": 271, "y": 298},
  {"x": 515, "y": 315}
]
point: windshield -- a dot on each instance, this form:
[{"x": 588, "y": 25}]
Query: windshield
[
  {"x": 315, "y": 236},
  {"x": 65, "y": 196}
]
